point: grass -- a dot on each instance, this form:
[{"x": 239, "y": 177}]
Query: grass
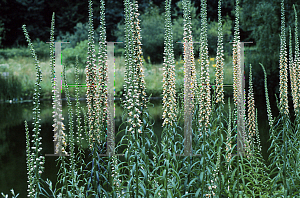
[{"x": 146, "y": 169}]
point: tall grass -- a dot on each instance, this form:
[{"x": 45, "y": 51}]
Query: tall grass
[{"x": 146, "y": 167}]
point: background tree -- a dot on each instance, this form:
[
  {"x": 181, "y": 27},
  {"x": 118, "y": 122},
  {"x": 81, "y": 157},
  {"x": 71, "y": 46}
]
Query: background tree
[{"x": 260, "y": 22}]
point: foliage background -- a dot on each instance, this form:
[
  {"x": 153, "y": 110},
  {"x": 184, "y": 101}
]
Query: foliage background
[{"x": 260, "y": 23}]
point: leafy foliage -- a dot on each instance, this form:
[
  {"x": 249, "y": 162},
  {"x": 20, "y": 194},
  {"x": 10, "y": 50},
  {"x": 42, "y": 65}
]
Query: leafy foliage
[{"x": 69, "y": 54}]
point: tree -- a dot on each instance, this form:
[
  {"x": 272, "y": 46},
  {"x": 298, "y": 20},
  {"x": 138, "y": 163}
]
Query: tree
[{"x": 2, "y": 32}]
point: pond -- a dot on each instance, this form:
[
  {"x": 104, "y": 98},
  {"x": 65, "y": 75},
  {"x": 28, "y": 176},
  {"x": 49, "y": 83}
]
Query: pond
[{"x": 13, "y": 172}]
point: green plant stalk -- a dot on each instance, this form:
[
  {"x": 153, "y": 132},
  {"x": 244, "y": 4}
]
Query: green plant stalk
[
  {"x": 71, "y": 135},
  {"x": 29, "y": 160},
  {"x": 80, "y": 136},
  {"x": 228, "y": 142}
]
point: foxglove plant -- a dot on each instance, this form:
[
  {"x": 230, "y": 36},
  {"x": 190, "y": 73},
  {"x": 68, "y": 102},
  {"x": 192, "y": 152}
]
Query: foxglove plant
[
  {"x": 190, "y": 88},
  {"x": 60, "y": 138},
  {"x": 292, "y": 71},
  {"x": 296, "y": 76},
  {"x": 137, "y": 154},
  {"x": 96, "y": 81},
  {"x": 236, "y": 60},
  {"x": 169, "y": 90},
  {"x": 254, "y": 164},
  {"x": 284, "y": 162},
  {"x": 134, "y": 90},
  {"x": 208, "y": 149},
  {"x": 283, "y": 94},
  {"x": 72, "y": 171},
  {"x": 284, "y": 140},
  {"x": 35, "y": 161},
  {"x": 251, "y": 113},
  {"x": 102, "y": 91},
  {"x": 103, "y": 116},
  {"x": 237, "y": 96},
  {"x": 204, "y": 92},
  {"x": 169, "y": 109},
  {"x": 296, "y": 69},
  {"x": 188, "y": 54},
  {"x": 220, "y": 59},
  {"x": 128, "y": 53},
  {"x": 58, "y": 126},
  {"x": 220, "y": 165},
  {"x": 91, "y": 80},
  {"x": 237, "y": 93},
  {"x": 270, "y": 116}
]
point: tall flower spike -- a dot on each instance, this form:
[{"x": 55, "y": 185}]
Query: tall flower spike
[
  {"x": 257, "y": 133},
  {"x": 169, "y": 100},
  {"x": 237, "y": 94},
  {"x": 204, "y": 92},
  {"x": 189, "y": 50},
  {"x": 91, "y": 74},
  {"x": 37, "y": 167},
  {"x": 296, "y": 66},
  {"x": 220, "y": 59},
  {"x": 270, "y": 117},
  {"x": 251, "y": 111},
  {"x": 136, "y": 101},
  {"x": 102, "y": 82},
  {"x": 128, "y": 53},
  {"x": 283, "y": 94},
  {"x": 292, "y": 71}
]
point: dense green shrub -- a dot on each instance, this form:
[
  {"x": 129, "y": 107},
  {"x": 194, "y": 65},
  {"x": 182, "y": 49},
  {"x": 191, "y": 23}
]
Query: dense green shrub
[
  {"x": 69, "y": 54},
  {"x": 80, "y": 34},
  {"x": 14, "y": 52},
  {"x": 42, "y": 51},
  {"x": 152, "y": 24},
  {"x": 213, "y": 35}
]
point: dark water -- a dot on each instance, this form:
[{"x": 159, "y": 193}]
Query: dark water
[{"x": 13, "y": 172}]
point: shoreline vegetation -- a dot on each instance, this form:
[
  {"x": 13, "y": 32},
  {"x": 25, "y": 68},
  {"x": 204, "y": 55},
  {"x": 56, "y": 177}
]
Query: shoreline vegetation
[
  {"x": 19, "y": 83},
  {"x": 219, "y": 153}
]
